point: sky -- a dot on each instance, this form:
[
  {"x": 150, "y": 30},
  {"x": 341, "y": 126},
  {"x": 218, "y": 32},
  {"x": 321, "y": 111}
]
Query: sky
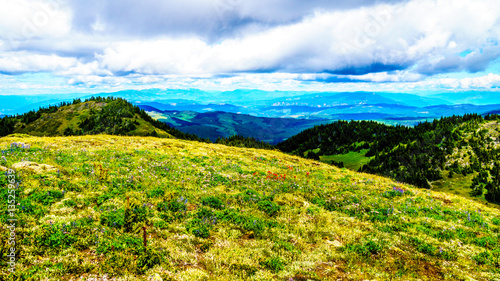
[{"x": 416, "y": 46}]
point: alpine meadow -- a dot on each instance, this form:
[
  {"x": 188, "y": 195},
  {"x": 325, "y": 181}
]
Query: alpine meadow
[{"x": 261, "y": 140}]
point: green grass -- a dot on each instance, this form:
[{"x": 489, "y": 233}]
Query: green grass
[
  {"x": 352, "y": 160},
  {"x": 214, "y": 212},
  {"x": 459, "y": 185}
]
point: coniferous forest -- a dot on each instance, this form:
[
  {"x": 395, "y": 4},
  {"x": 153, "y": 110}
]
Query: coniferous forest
[{"x": 416, "y": 155}]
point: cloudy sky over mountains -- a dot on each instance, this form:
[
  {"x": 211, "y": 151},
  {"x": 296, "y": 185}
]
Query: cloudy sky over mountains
[{"x": 421, "y": 46}]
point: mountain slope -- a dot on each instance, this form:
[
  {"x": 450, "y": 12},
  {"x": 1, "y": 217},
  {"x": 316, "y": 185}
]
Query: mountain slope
[
  {"x": 213, "y": 212},
  {"x": 94, "y": 116},
  {"x": 422, "y": 155}
]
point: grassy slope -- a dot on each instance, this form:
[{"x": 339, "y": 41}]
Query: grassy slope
[
  {"x": 331, "y": 223},
  {"x": 54, "y": 124},
  {"x": 352, "y": 160},
  {"x": 460, "y": 184}
]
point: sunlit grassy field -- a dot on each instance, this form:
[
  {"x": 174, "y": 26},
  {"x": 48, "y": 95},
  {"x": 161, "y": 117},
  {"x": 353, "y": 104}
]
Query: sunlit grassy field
[
  {"x": 352, "y": 160},
  {"x": 213, "y": 212},
  {"x": 460, "y": 185}
]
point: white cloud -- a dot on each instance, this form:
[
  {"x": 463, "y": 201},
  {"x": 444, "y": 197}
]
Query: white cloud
[
  {"x": 393, "y": 42},
  {"x": 166, "y": 56},
  {"x": 83, "y": 69},
  {"x": 22, "y": 20},
  {"x": 26, "y": 62},
  {"x": 372, "y": 38},
  {"x": 397, "y": 76},
  {"x": 481, "y": 82}
]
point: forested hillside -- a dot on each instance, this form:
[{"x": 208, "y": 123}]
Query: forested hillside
[
  {"x": 96, "y": 115},
  {"x": 420, "y": 155},
  {"x": 240, "y": 141}
]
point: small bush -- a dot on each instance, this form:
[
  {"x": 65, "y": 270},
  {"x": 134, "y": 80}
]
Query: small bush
[
  {"x": 54, "y": 237},
  {"x": 148, "y": 259},
  {"x": 212, "y": 202},
  {"x": 395, "y": 192},
  {"x": 46, "y": 198},
  {"x": 482, "y": 258},
  {"x": 173, "y": 206},
  {"x": 30, "y": 207},
  {"x": 118, "y": 263},
  {"x": 312, "y": 210},
  {"x": 268, "y": 207},
  {"x": 370, "y": 247},
  {"x": 275, "y": 264},
  {"x": 69, "y": 203},
  {"x": 199, "y": 228},
  {"x": 488, "y": 257},
  {"x": 448, "y": 255},
  {"x": 135, "y": 213},
  {"x": 285, "y": 248},
  {"x": 157, "y": 192},
  {"x": 320, "y": 201},
  {"x": 486, "y": 242},
  {"x": 423, "y": 247},
  {"x": 113, "y": 219},
  {"x": 103, "y": 198}
]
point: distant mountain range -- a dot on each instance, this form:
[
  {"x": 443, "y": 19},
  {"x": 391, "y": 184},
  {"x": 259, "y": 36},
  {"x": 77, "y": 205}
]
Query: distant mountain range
[{"x": 385, "y": 107}]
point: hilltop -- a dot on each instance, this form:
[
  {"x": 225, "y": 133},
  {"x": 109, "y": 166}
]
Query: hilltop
[
  {"x": 217, "y": 212},
  {"x": 96, "y": 115},
  {"x": 446, "y": 154}
]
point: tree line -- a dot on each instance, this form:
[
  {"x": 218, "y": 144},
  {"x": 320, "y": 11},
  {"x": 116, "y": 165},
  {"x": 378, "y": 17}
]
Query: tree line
[{"x": 416, "y": 155}]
